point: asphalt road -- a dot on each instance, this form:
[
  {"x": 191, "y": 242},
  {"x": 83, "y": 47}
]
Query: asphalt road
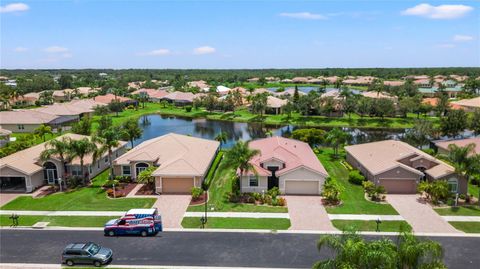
[{"x": 200, "y": 249}]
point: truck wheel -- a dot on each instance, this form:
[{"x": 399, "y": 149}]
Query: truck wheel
[
  {"x": 69, "y": 263},
  {"x": 144, "y": 233},
  {"x": 97, "y": 263},
  {"x": 111, "y": 233}
]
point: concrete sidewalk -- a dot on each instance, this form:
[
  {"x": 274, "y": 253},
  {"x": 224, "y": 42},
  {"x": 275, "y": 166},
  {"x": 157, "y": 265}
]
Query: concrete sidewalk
[
  {"x": 462, "y": 218},
  {"x": 239, "y": 215},
  {"x": 62, "y": 213},
  {"x": 364, "y": 217}
]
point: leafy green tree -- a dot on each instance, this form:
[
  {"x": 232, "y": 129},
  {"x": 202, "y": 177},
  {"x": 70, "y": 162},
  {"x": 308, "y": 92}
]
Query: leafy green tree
[
  {"x": 288, "y": 109},
  {"x": 337, "y": 138},
  {"x": 145, "y": 177},
  {"x": 43, "y": 130},
  {"x": 364, "y": 106},
  {"x": 331, "y": 191},
  {"x": 210, "y": 102},
  {"x": 131, "y": 130},
  {"x": 104, "y": 123},
  {"x": 312, "y": 136},
  {"x": 349, "y": 105},
  {"x": 443, "y": 104},
  {"x": 81, "y": 148},
  {"x": 83, "y": 127},
  {"x": 116, "y": 106},
  {"x": 296, "y": 96},
  {"x": 259, "y": 104},
  {"x": 108, "y": 139},
  {"x": 46, "y": 97},
  {"x": 59, "y": 149},
  {"x": 101, "y": 110},
  {"x": 222, "y": 138},
  {"x": 475, "y": 122},
  {"x": 454, "y": 123},
  {"x": 164, "y": 103},
  {"x": 239, "y": 156},
  {"x": 65, "y": 81},
  {"x": 384, "y": 107},
  {"x": 408, "y": 105},
  {"x": 421, "y": 133}
]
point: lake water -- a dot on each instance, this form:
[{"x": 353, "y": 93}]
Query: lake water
[{"x": 156, "y": 125}]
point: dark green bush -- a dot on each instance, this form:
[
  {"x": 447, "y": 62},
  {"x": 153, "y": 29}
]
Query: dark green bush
[{"x": 355, "y": 177}]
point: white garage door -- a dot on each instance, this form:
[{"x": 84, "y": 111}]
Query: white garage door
[{"x": 301, "y": 187}]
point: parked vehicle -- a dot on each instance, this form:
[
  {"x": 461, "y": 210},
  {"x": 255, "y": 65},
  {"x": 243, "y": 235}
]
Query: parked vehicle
[
  {"x": 86, "y": 253},
  {"x": 142, "y": 222}
]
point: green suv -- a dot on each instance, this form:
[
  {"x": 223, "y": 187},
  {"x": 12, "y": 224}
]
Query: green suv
[{"x": 86, "y": 253}]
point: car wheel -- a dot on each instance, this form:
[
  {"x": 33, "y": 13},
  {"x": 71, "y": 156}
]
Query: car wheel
[
  {"x": 97, "y": 263},
  {"x": 69, "y": 263},
  {"x": 111, "y": 233},
  {"x": 144, "y": 233}
]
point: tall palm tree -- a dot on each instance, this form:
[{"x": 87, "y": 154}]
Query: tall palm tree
[
  {"x": 43, "y": 130},
  {"x": 58, "y": 148},
  {"x": 414, "y": 253},
  {"x": 81, "y": 148},
  {"x": 108, "y": 140},
  {"x": 239, "y": 157},
  {"x": 131, "y": 130},
  {"x": 336, "y": 137},
  {"x": 222, "y": 138}
]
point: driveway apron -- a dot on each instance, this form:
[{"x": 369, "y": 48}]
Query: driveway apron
[
  {"x": 172, "y": 208},
  {"x": 308, "y": 213}
]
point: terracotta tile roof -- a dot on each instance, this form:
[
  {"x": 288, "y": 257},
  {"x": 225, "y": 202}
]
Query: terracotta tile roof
[
  {"x": 176, "y": 155},
  {"x": 72, "y": 108},
  {"x": 381, "y": 156},
  {"x": 293, "y": 153},
  {"x": 274, "y": 102},
  {"x": 469, "y": 103},
  {"x": 108, "y": 98},
  {"x": 180, "y": 97},
  {"x": 377, "y": 95},
  {"x": 461, "y": 143},
  {"x": 152, "y": 93},
  {"x": 430, "y": 101},
  {"x": 393, "y": 83},
  {"x": 26, "y": 116}
]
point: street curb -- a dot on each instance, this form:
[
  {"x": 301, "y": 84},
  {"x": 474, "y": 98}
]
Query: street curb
[{"x": 47, "y": 266}]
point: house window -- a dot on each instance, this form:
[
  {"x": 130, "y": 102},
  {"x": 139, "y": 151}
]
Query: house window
[
  {"x": 126, "y": 170},
  {"x": 453, "y": 185},
  {"x": 253, "y": 181},
  {"x": 76, "y": 171},
  {"x": 106, "y": 159},
  {"x": 21, "y": 127}
]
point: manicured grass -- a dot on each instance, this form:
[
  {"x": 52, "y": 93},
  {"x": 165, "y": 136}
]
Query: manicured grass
[
  {"x": 213, "y": 168},
  {"x": 238, "y": 223},
  {"x": 218, "y": 191},
  {"x": 371, "y": 225},
  {"x": 92, "y": 198},
  {"x": 353, "y": 201},
  {"x": 459, "y": 211},
  {"x": 63, "y": 221},
  {"x": 468, "y": 227},
  {"x": 473, "y": 190}
]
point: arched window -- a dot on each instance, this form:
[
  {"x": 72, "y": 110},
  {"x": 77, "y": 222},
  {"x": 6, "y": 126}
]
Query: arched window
[
  {"x": 50, "y": 172},
  {"x": 453, "y": 185},
  {"x": 139, "y": 167}
]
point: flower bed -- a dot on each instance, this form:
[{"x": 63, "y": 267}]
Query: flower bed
[
  {"x": 146, "y": 190},
  {"x": 200, "y": 200},
  {"x": 122, "y": 190}
]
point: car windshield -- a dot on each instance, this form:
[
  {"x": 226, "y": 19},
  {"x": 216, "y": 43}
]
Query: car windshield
[{"x": 93, "y": 249}]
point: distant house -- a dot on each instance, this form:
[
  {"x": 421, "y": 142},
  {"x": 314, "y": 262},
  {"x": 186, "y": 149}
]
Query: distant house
[
  {"x": 253, "y": 80},
  {"x": 423, "y": 83},
  {"x": 27, "y": 120},
  {"x": 274, "y": 104},
  {"x": 394, "y": 83},
  {"x": 300, "y": 80},
  {"x": 433, "y": 91},
  {"x": 179, "y": 98},
  {"x": 288, "y": 92},
  {"x": 181, "y": 161},
  {"x": 468, "y": 105},
  {"x": 153, "y": 94},
  {"x": 285, "y": 163},
  {"x": 222, "y": 90},
  {"x": 378, "y": 95},
  {"x": 71, "y": 111},
  {"x": 200, "y": 84},
  {"x": 24, "y": 171},
  {"x": 108, "y": 98},
  {"x": 442, "y": 146},
  {"x": 62, "y": 95},
  {"x": 4, "y": 137},
  {"x": 399, "y": 167},
  {"x": 359, "y": 81}
]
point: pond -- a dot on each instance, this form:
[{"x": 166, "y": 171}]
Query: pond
[{"x": 156, "y": 125}]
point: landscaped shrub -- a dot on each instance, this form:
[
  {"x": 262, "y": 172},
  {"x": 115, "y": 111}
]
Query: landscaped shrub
[
  {"x": 436, "y": 191},
  {"x": 109, "y": 183},
  {"x": 74, "y": 182},
  {"x": 375, "y": 193},
  {"x": 257, "y": 196},
  {"x": 131, "y": 107},
  {"x": 188, "y": 108},
  {"x": 236, "y": 186},
  {"x": 331, "y": 191},
  {"x": 123, "y": 179},
  {"x": 463, "y": 196},
  {"x": 355, "y": 177},
  {"x": 196, "y": 193},
  {"x": 281, "y": 201},
  {"x": 274, "y": 192}
]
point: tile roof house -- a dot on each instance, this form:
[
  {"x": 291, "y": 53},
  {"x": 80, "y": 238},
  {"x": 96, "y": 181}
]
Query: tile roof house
[
  {"x": 399, "y": 167},
  {"x": 468, "y": 104},
  {"x": 108, "y": 98},
  {"x": 285, "y": 163},
  {"x": 275, "y": 104},
  {"x": 154, "y": 95},
  {"x": 27, "y": 120},
  {"x": 181, "y": 161},
  {"x": 377, "y": 95},
  {"x": 179, "y": 98},
  {"x": 442, "y": 146},
  {"x": 72, "y": 110},
  {"x": 24, "y": 171}
]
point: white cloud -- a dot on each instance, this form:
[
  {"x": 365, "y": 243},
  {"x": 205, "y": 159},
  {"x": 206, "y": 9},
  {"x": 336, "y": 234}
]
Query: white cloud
[
  {"x": 67, "y": 55},
  {"x": 462, "y": 38},
  {"x": 56, "y": 49},
  {"x": 303, "y": 16},
  {"x": 14, "y": 7},
  {"x": 438, "y": 12},
  {"x": 204, "y": 50},
  {"x": 20, "y": 49},
  {"x": 158, "y": 52},
  {"x": 446, "y": 46}
]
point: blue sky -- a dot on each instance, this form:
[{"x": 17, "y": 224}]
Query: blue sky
[{"x": 239, "y": 34}]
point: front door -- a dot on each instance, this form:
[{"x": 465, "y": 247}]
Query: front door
[
  {"x": 272, "y": 182},
  {"x": 51, "y": 176}
]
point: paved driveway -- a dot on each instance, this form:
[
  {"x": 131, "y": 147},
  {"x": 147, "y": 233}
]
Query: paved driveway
[
  {"x": 5, "y": 198},
  {"x": 172, "y": 207},
  {"x": 308, "y": 213},
  {"x": 419, "y": 214}
]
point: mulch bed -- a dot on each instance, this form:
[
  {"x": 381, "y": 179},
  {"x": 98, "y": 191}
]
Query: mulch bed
[
  {"x": 124, "y": 189},
  {"x": 200, "y": 200},
  {"x": 146, "y": 190}
]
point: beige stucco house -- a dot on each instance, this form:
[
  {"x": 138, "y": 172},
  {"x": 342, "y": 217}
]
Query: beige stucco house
[
  {"x": 399, "y": 167},
  {"x": 181, "y": 161},
  {"x": 285, "y": 163},
  {"x": 24, "y": 171}
]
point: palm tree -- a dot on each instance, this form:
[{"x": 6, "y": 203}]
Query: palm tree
[
  {"x": 222, "y": 138},
  {"x": 131, "y": 130},
  {"x": 336, "y": 137},
  {"x": 108, "y": 140},
  {"x": 81, "y": 148},
  {"x": 239, "y": 157},
  {"x": 414, "y": 253},
  {"x": 43, "y": 130},
  {"x": 58, "y": 148}
]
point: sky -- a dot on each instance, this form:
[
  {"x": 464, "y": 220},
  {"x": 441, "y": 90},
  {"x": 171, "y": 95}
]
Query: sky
[{"x": 238, "y": 34}]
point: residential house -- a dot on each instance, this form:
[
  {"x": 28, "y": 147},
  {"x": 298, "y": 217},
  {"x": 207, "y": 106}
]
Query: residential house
[
  {"x": 274, "y": 104},
  {"x": 181, "y": 161},
  {"x": 24, "y": 171},
  {"x": 108, "y": 98},
  {"x": 222, "y": 90},
  {"x": 399, "y": 167},
  {"x": 71, "y": 111},
  {"x": 179, "y": 98},
  {"x": 442, "y": 146},
  {"x": 378, "y": 95},
  {"x": 393, "y": 83},
  {"x": 288, "y": 92},
  {"x": 153, "y": 94},
  {"x": 200, "y": 84},
  {"x": 253, "y": 80},
  {"x": 62, "y": 95},
  {"x": 285, "y": 163},
  {"x": 27, "y": 120},
  {"x": 359, "y": 81},
  {"x": 468, "y": 105}
]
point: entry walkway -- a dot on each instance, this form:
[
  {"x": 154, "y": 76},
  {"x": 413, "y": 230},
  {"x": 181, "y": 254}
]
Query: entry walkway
[
  {"x": 419, "y": 215},
  {"x": 308, "y": 213}
]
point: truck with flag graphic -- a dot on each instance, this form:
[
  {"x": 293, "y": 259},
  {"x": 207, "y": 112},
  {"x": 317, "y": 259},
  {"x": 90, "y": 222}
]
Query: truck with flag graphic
[{"x": 142, "y": 222}]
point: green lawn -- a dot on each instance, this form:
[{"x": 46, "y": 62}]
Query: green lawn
[
  {"x": 473, "y": 190},
  {"x": 468, "y": 227},
  {"x": 63, "y": 221},
  {"x": 459, "y": 211},
  {"x": 353, "y": 201},
  {"x": 371, "y": 225},
  {"x": 92, "y": 198},
  {"x": 218, "y": 200},
  {"x": 238, "y": 223}
]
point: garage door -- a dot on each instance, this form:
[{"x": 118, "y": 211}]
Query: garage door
[
  {"x": 12, "y": 184},
  {"x": 301, "y": 187},
  {"x": 177, "y": 185},
  {"x": 404, "y": 186}
]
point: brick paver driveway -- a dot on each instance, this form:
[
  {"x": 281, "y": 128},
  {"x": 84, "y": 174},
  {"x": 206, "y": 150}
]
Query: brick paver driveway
[
  {"x": 5, "y": 198},
  {"x": 419, "y": 214},
  {"x": 308, "y": 213},
  {"x": 172, "y": 208}
]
